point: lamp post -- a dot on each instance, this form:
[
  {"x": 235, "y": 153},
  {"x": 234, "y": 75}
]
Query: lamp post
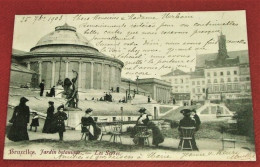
[
  {"x": 137, "y": 84},
  {"x": 129, "y": 89}
]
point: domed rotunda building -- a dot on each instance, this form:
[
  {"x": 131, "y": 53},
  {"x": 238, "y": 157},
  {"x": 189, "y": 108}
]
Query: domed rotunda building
[{"x": 63, "y": 50}]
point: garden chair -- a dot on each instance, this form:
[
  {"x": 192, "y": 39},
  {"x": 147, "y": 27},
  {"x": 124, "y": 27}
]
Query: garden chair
[
  {"x": 85, "y": 129},
  {"x": 230, "y": 138},
  {"x": 116, "y": 130},
  {"x": 103, "y": 127},
  {"x": 142, "y": 134},
  {"x": 186, "y": 134}
]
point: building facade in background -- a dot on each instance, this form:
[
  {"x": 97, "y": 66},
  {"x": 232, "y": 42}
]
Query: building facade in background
[{"x": 218, "y": 76}]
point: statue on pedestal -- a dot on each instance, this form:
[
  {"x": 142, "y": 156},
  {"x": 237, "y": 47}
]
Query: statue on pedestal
[{"x": 71, "y": 94}]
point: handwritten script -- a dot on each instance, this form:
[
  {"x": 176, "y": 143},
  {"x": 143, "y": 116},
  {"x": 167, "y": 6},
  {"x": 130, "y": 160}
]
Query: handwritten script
[{"x": 151, "y": 44}]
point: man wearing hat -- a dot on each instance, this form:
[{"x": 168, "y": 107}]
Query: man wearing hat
[
  {"x": 187, "y": 121},
  {"x": 47, "y": 128},
  {"x": 19, "y": 120},
  {"x": 59, "y": 118}
]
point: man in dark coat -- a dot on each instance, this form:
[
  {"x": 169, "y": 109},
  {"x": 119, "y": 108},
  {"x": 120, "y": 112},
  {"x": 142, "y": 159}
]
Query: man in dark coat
[
  {"x": 41, "y": 87},
  {"x": 60, "y": 117},
  {"x": 187, "y": 121},
  {"x": 48, "y": 122},
  {"x": 19, "y": 120}
]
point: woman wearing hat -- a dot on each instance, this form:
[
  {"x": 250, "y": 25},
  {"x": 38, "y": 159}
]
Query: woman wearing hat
[
  {"x": 19, "y": 120},
  {"x": 187, "y": 121},
  {"x": 59, "y": 117},
  {"x": 88, "y": 125},
  {"x": 47, "y": 128},
  {"x": 143, "y": 118}
]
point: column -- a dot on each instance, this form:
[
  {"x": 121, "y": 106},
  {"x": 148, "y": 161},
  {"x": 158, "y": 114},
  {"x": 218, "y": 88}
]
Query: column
[
  {"x": 154, "y": 92},
  {"x": 110, "y": 71},
  {"x": 67, "y": 69},
  {"x": 80, "y": 74},
  {"x": 53, "y": 74},
  {"x": 28, "y": 65},
  {"x": 92, "y": 75},
  {"x": 40, "y": 71},
  {"x": 102, "y": 76}
]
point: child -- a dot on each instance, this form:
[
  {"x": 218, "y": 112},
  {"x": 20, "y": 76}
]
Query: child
[{"x": 35, "y": 121}]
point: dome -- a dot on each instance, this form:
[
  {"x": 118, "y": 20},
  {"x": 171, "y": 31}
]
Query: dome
[{"x": 64, "y": 38}]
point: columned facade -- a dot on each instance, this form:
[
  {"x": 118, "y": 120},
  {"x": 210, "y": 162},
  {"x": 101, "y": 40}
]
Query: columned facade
[{"x": 91, "y": 75}]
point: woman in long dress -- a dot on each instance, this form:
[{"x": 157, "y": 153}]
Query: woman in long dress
[
  {"x": 88, "y": 125},
  {"x": 143, "y": 120},
  {"x": 47, "y": 128},
  {"x": 19, "y": 120}
]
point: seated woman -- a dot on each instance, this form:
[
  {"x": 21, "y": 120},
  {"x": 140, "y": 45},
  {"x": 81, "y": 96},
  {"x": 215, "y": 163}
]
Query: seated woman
[
  {"x": 89, "y": 126},
  {"x": 143, "y": 120},
  {"x": 187, "y": 121}
]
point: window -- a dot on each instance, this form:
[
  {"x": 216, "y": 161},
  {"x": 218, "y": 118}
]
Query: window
[
  {"x": 114, "y": 118},
  {"x": 216, "y": 88},
  {"x": 222, "y": 87},
  {"x": 236, "y": 87},
  {"x": 215, "y": 81},
  {"x": 193, "y": 90},
  {"x": 215, "y": 73},
  {"x": 222, "y": 80},
  {"x": 235, "y": 72},
  {"x": 229, "y": 80},
  {"x": 203, "y": 82},
  {"x": 247, "y": 78},
  {"x": 193, "y": 82},
  {"x": 228, "y": 72},
  {"x": 203, "y": 90},
  {"x": 229, "y": 87},
  {"x": 198, "y": 82},
  {"x": 235, "y": 79},
  {"x": 221, "y": 73},
  {"x": 181, "y": 80},
  {"x": 198, "y": 90},
  {"x": 95, "y": 119},
  {"x": 209, "y": 81},
  {"x": 208, "y": 74},
  {"x": 129, "y": 118}
]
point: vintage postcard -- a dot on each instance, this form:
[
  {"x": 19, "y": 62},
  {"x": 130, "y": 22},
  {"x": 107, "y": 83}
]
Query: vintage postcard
[{"x": 130, "y": 86}]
